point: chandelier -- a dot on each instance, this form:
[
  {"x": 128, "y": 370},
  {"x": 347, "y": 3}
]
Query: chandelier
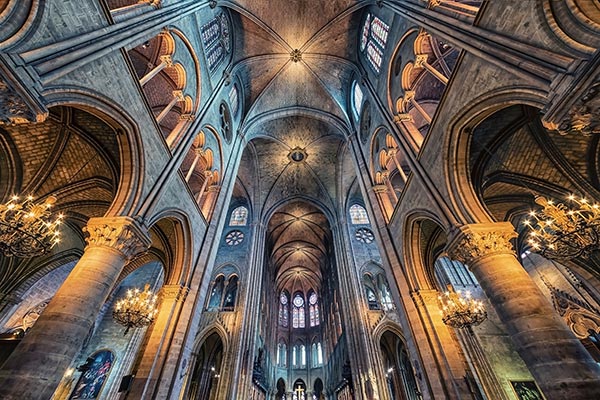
[
  {"x": 459, "y": 311},
  {"x": 27, "y": 228},
  {"x": 137, "y": 309},
  {"x": 559, "y": 231}
]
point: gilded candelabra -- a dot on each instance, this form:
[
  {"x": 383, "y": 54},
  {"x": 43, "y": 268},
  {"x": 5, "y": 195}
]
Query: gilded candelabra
[
  {"x": 560, "y": 231},
  {"x": 27, "y": 228},
  {"x": 461, "y": 311},
  {"x": 137, "y": 309}
]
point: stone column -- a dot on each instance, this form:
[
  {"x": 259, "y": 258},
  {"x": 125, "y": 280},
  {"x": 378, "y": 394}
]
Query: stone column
[
  {"x": 211, "y": 195},
  {"x": 421, "y": 62},
  {"x": 180, "y": 129},
  {"x": 165, "y": 61},
  {"x": 207, "y": 178},
  {"x": 37, "y": 365},
  {"x": 199, "y": 152},
  {"x": 393, "y": 153},
  {"x": 406, "y": 126},
  {"x": 558, "y": 361},
  {"x": 385, "y": 202},
  {"x": 409, "y": 97},
  {"x": 152, "y": 365},
  {"x": 177, "y": 97},
  {"x": 388, "y": 183}
]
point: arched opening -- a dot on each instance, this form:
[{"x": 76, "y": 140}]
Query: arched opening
[
  {"x": 281, "y": 392},
  {"x": 207, "y": 370},
  {"x": 299, "y": 390},
  {"x": 399, "y": 373}
]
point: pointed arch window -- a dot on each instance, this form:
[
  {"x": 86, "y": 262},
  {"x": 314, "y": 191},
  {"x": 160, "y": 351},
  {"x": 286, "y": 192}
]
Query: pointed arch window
[
  {"x": 371, "y": 291},
  {"x": 319, "y": 354},
  {"x": 216, "y": 294},
  {"x": 357, "y": 99},
  {"x": 230, "y": 294},
  {"x": 239, "y": 216},
  {"x": 358, "y": 215},
  {"x": 294, "y": 355},
  {"x": 384, "y": 292},
  {"x": 281, "y": 354},
  {"x": 299, "y": 312},
  {"x": 302, "y": 355},
  {"x": 234, "y": 99},
  {"x": 313, "y": 305},
  {"x": 216, "y": 39},
  {"x": 373, "y": 40},
  {"x": 284, "y": 309}
]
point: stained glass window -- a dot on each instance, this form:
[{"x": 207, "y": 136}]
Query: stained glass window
[
  {"x": 239, "y": 217},
  {"x": 374, "y": 56},
  {"x": 281, "y": 354},
  {"x": 319, "y": 354},
  {"x": 234, "y": 238},
  {"x": 357, "y": 99},
  {"x": 295, "y": 317},
  {"x": 379, "y": 31},
  {"x": 299, "y": 312},
  {"x": 234, "y": 99},
  {"x": 373, "y": 40},
  {"x": 216, "y": 40},
  {"x": 358, "y": 215},
  {"x": 294, "y": 354},
  {"x": 283, "y": 309},
  {"x": 364, "y": 38},
  {"x": 364, "y": 235},
  {"x": 302, "y": 355},
  {"x": 313, "y": 309}
]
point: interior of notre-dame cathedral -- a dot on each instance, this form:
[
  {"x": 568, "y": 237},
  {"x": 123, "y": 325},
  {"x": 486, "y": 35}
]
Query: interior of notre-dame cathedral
[{"x": 294, "y": 200}]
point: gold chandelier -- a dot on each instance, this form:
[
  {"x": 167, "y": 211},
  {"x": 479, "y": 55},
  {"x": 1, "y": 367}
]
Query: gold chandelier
[
  {"x": 558, "y": 231},
  {"x": 137, "y": 309},
  {"x": 27, "y": 228},
  {"x": 459, "y": 311}
]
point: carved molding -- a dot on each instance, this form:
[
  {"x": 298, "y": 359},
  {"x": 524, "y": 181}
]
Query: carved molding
[
  {"x": 13, "y": 109},
  {"x": 583, "y": 117},
  {"x": 472, "y": 242},
  {"x": 120, "y": 233},
  {"x": 174, "y": 292}
]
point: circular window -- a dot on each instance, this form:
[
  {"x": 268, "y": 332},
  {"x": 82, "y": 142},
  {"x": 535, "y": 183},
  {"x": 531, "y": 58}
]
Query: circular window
[
  {"x": 283, "y": 299},
  {"x": 234, "y": 238},
  {"x": 313, "y": 298},
  {"x": 298, "y": 301},
  {"x": 364, "y": 235},
  {"x": 225, "y": 122}
]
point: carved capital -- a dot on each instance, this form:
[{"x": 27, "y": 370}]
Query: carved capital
[
  {"x": 420, "y": 60},
  {"x": 187, "y": 117},
  {"x": 582, "y": 118},
  {"x": 13, "y": 109},
  {"x": 120, "y": 233},
  {"x": 178, "y": 94},
  {"x": 167, "y": 60},
  {"x": 380, "y": 189},
  {"x": 472, "y": 242},
  {"x": 404, "y": 117},
  {"x": 173, "y": 292}
]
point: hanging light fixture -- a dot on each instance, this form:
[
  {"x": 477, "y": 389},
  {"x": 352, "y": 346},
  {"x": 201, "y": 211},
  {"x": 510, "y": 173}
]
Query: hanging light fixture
[
  {"x": 560, "y": 231},
  {"x": 137, "y": 309},
  {"x": 27, "y": 228},
  {"x": 461, "y": 311}
]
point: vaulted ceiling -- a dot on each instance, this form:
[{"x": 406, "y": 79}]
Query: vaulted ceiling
[
  {"x": 298, "y": 242},
  {"x": 295, "y": 107}
]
